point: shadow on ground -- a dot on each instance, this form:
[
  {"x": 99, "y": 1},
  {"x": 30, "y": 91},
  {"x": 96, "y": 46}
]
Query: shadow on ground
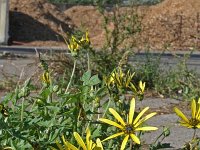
[{"x": 31, "y": 30}]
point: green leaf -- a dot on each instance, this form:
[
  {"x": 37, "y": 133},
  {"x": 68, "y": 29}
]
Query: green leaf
[
  {"x": 45, "y": 93},
  {"x": 35, "y": 120},
  {"x": 47, "y": 124},
  {"x": 53, "y": 108},
  {"x": 96, "y": 133},
  {"x": 94, "y": 80},
  {"x": 8, "y": 97},
  {"x": 73, "y": 99},
  {"x": 53, "y": 135},
  {"x": 86, "y": 76}
]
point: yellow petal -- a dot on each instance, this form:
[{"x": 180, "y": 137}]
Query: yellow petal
[
  {"x": 87, "y": 37},
  {"x": 59, "y": 145},
  {"x": 124, "y": 142},
  {"x": 198, "y": 112},
  {"x": 193, "y": 108},
  {"x": 135, "y": 138},
  {"x": 181, "y": 115},
  {"x": 184, "y": 124},
  {"x": 45, "y": 77},
  {"x": 52, "y": 148},
  {"x": 99, "y": 144},
  {"x": 117, "y": 79},
  {"x": 129, "y": 78},
  {"x": 91, "y": 145},
  {"x": 68, "y": 145},
  {"x": 134, "y": 90},
  {"x": 142, "y": 86},
  {"x": 144, "y": 119},
  {"x": 140, "y": 115},
  {"x": 131, "y": 111},
  {"x": 198, "y": 126},
  {"x": 80, "y": 140},
  {"x": 112, "y": 123},
  {"x": 88, "y": 134},
  {"x": 117, "y": 116},
  {"x": 146, "y": 129},
  {"x": 113, "y": 136}
]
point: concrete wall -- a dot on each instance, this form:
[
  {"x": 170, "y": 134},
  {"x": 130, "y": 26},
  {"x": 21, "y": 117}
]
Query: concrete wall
[{"x": 4, "y": 24}]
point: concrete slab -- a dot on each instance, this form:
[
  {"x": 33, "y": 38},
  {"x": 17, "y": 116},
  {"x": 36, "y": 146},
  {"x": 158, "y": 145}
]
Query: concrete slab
[
  {"x": 4, "y": 21},
  {"x": 178, "y": 135}
]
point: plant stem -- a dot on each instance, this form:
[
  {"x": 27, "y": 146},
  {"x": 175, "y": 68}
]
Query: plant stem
[
  {"x": 22, "y": 110},
  {"x": 131, "y": 145},
  {"x": 88, "y": 61},
  {"x": 73, "y": 71},
  {"x": 194, "y": 134},
  {"x": 105, "y": 111},
  {"x": 107, "y": 107},
  {"x": 91, "y": 116}
]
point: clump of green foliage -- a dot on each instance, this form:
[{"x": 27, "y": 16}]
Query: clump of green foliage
[{"x": 177, "y": 81}]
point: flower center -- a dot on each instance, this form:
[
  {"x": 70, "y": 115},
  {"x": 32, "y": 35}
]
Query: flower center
[
  {"x": 194, "y": 122},
  {"x": 128, "y": 129}
]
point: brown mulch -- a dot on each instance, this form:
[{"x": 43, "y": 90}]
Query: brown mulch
[{"x": 171, "y": 24}]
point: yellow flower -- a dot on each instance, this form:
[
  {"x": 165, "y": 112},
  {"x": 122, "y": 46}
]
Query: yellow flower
[
  {"x": 4, "y": 111},
  {"x": 73, "y": 46},
  {"x": 90, "y": 145},
  {"x": 130, "y": 127},
  {"x": 140, "y": 92},
  {"x": 194, "y": 121},
  {"x": 120, "y": 79},
  {"x": 46, "y": 77},
  {"x": 85, "y": 41},
  {"x": 142, "y": 86}
]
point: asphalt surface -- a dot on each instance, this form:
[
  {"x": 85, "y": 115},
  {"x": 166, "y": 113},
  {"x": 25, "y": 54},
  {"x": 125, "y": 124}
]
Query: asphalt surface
[{"x": 11, "y": 63}]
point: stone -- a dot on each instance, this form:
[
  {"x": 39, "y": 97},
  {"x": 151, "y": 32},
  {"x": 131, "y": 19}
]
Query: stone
[{"x": 4, "y": 21}]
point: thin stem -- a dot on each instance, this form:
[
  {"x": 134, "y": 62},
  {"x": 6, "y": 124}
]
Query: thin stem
[
  {"x": 91, "y": 116},
  {"x": 73, "y": 71},
  {"x": 88, "y": 61},
  {"x": 50, "y": 96},
  {"x": 131, "y": 144},
  {"x": 107, "y": 107},
  {"x": 194, "y": 134},
  {"x": 105, "y": 111},
  {"x": 158, "y": 137},
  {"x": 22, "y": 110},
  {"x": 98, "y": 116}
]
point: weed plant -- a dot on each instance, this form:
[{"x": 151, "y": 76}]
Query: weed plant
[
  {"x": 57, "y": 117},
  {"x": 179, "y": 82},
  {"x": 88, "y": 114}
]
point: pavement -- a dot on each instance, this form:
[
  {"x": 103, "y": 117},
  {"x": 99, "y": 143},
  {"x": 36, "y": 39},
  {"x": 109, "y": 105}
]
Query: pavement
[{"x": 178, "y": 135}]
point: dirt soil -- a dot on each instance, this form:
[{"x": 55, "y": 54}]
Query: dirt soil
[{"x": 171, "y": 24}]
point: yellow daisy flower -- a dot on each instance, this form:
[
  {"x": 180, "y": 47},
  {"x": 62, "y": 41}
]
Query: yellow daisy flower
[
  {"x": 90, "y": 145},
  {"x": 85, "y": 41},
  {"x": 140, "y": 92},
  {"x": 194, "y": 121},
  {"x": 73, "y": 46},
  {"x": 130, "y": 127},
  {"x": 142, "y": 86},
  {"x": 120, "y": 79},
  {"x": 46, "y": 77}
]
